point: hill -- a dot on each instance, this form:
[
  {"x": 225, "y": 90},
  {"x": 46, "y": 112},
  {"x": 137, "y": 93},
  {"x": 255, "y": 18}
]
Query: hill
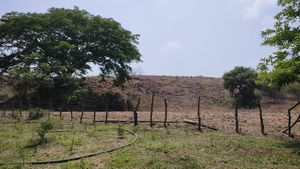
[{"x": 180, "y": 92}]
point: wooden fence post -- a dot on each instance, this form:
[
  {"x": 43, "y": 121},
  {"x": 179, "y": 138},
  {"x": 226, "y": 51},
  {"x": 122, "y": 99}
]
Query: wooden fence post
[
  {"x": 4, "y": 109},
  {"x": 262, "y": 127},
  {"x": 81, "y": 116},
  {"x": 72, "y": 113},
  {"x": 166, "y": 113},
  {"x": 151, "y": 110},
  {"x": 290, "y": 118},
  {"x": 50, "y": 107},
  {"x": 20, "y": 109},
  {"x": 289, "y": 123},
  {"x": 199, "y": 118},
  {"x": 135, "y": 116},
  {"x": 94, "y": 119},
  {"x": 237, "y": 116},
  {"x": 82, "y": 109},
  {"x": 106, "y": 112},
  {"x": 12, "y": 110},
  {"x": 60, "y": 112}
]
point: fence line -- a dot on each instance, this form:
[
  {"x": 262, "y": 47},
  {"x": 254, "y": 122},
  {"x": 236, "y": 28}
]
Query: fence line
[{"x": 108, "y": 107}]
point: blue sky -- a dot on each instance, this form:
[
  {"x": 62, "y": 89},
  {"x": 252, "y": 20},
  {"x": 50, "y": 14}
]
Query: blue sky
[{"x": 180, "y": 37}]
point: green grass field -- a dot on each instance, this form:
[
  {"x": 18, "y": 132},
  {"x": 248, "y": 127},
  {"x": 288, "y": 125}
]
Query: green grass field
[{"x": 177, "y": 147}]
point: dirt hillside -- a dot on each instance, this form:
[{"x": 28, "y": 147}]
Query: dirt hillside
[{"x": 180, "y": 92}]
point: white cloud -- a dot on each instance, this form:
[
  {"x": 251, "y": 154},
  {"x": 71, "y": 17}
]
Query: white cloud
[
  {"x": 172, "y": 46},
  {"x": 253, "y": 8}
]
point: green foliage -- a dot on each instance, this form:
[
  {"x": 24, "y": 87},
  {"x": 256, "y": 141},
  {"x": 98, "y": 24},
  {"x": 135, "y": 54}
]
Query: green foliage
[
  {"x": 283, "y": 67},
  {"x": 188, "y": 162},
  {"x": 73, "y": 140},
  {"x": 36, "y": 113},
  {"x": 46, "y": 50},
  {"x": 270, "y": 92},
  {"x": 120, "y": 132},
  {"x": 41, "y": 131},
  {"x": 240, "y": 82},
  {"x": 122, "y": 159},
  {"x": 77, "y": 95},
  {"x": 293, "y": 89},
  {"x": 44, "y": 129}
]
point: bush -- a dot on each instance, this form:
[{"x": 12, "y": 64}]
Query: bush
[
  {"x": 120, "y": 132},
  {"x": 36, "y": 113},
  {"x": 44, "y": 128},
  {"x": 41, "y": 131}
]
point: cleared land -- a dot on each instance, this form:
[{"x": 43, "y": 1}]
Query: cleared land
[{"x": 179, "y": 146}]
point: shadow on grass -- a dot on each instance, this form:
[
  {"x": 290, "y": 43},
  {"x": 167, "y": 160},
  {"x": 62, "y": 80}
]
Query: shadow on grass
[{"x": 294, "y": 145}]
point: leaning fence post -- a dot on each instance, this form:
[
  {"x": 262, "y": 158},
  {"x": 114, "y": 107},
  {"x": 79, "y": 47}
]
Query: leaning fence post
[
  {"x": 237, "y": 116},
  {"x": 199, "y": 118},
  {"x": 151, "y": 110},
  {"x": 166, "y": 113},
  {"x": 262, "y": 127},
  {"x": 135, "y": 116},
  {"x": 289, "y": 124}
]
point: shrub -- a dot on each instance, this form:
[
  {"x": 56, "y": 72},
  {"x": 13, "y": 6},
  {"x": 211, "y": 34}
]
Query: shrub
[
  {"x": 36, "y": 113},
  {"x": 41, "y": 131},
  {"x": 120, "y": 132}
]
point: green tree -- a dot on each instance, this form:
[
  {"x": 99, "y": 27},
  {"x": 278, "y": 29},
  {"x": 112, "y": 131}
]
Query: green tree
[
  {"x": 283, "y": 66},
  {"x": 62, "y": 44},
  {"x": 294, "y": 89},
  {"x": 240, "y": 82}
]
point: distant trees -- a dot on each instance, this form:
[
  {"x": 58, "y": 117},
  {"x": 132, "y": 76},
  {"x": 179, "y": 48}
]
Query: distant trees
[
  {"x": 293, "y": 89},
  {"x": 51, "y": 50},
  {"x": 240, "y": 82},
  {"x": 283, "y": 67}
]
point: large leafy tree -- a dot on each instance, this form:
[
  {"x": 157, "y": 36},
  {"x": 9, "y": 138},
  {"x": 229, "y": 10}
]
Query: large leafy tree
[
  {"x": 283, "y": 66},
  {"x": 240, "y": 82},
  {"x": 51, "y": 48}
]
